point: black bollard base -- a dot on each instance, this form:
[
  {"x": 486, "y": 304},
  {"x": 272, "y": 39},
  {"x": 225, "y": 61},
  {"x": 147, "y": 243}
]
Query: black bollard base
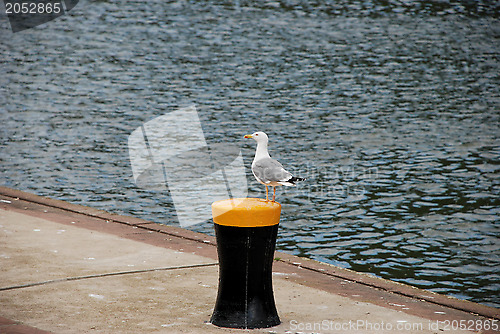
[{"x": 245, "y": 297}]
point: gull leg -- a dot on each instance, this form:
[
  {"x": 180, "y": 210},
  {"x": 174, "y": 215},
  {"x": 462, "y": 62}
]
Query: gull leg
[
  {"x": 274, "y": 193},
  {"x": 267, "y": 196}
]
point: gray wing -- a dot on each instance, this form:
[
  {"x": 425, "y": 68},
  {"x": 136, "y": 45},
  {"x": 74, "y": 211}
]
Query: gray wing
[{"x": 269, "y": 170}]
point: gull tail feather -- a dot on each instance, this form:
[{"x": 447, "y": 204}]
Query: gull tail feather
[{"x": 291, "y": 181}]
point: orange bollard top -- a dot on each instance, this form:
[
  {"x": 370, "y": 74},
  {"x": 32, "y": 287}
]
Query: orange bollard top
[{"x": 246, "y": 212}]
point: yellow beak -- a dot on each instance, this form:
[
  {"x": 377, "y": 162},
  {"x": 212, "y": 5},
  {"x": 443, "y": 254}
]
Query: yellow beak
[{"x": 248, "y": 136}]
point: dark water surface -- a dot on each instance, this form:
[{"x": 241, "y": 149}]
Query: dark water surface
[{"x": 390, "y": 109}]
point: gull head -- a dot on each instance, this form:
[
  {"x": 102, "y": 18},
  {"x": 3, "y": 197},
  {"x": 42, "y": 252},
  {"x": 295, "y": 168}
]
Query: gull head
[{"x": 259, "y": 137}]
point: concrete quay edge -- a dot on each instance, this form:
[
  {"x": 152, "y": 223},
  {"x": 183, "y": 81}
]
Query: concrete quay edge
[{"x": 314, "y": 274}]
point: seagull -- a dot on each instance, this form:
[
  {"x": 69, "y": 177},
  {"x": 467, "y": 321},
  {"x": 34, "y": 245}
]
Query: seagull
[{"x": 268, "y": 171}]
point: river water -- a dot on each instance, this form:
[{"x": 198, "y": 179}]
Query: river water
[{"x": 390, "y": 109}]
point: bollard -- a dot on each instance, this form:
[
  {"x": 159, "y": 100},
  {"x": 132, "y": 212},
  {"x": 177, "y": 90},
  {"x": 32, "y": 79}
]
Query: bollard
[{"x": 246, "y": 231}]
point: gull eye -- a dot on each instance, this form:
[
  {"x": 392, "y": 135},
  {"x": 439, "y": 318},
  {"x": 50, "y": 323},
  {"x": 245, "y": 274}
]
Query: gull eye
[{"x": 256, "y": 135}]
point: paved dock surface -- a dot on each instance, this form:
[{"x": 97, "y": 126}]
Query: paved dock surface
[{"x": 66, "y": 268}]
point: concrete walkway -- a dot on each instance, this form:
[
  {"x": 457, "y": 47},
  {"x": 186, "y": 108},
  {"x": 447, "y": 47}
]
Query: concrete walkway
[{"x": 65, "y": 268}]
